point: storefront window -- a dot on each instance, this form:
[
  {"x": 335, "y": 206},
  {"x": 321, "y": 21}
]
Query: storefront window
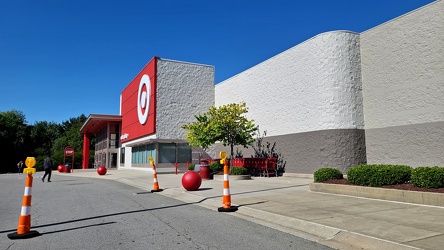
[
  {"x": 150, "y": 152},
  {"x": 171, "y": 153},
  {"x": 167, "y": 153},
  {"x": 183, "y": 153},
  {"x": 141, "y": 154}
]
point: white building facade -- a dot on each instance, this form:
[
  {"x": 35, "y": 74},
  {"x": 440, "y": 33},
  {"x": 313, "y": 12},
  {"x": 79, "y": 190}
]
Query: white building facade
[{"x": 342, "y": 98}]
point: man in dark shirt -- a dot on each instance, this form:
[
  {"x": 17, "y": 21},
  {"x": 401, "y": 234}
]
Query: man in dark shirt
[{"x": 47, "y": 165}]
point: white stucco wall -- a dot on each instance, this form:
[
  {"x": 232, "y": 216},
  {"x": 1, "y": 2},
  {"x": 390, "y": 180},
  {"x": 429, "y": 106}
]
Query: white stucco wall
[
  {"x": 403, "y": 88},
  {"x": 315, "y": 85},
  {"x": 403, "y": 69},
  {"x": 183, "y": 90}
]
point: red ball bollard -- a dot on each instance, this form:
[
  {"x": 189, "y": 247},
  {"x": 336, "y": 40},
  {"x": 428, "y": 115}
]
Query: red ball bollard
[
  {"x": 191, "y": 180},
  {"x": 60, "y": 168},
  {"x": 101, "y": 170}
]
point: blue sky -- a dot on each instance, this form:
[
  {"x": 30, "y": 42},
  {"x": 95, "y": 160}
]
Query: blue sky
[{"x": 63, "y": 58}]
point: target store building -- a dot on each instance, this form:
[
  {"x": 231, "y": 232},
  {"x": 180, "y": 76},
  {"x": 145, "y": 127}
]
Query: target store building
[{"x": 162, "y": 97}]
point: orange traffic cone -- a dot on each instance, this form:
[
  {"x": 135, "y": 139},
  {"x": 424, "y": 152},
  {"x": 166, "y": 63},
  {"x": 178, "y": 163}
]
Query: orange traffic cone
[
  {"x": 24, "y": 224},
  {"x": 156, "y": 184},
  {"x": 226, "y": 199}
]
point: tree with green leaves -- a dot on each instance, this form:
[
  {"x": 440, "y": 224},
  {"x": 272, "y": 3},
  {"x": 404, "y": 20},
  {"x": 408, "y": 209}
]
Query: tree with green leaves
[
  {"x": 13, "y": 137},
  {"x": 20, "y": 140},
  {"x": 43, "y": 134},
  {"x": 71, "y": 136},
  {"x": 226, "y": 124}
]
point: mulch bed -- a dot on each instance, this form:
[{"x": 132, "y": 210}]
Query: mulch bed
[{"x": 406, "y": 186}]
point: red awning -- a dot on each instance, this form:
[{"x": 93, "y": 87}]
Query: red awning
[{"x": 96, "y": 122}]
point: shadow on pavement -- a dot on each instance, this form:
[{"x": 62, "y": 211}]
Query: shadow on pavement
[{"x": 75, "y": 228}]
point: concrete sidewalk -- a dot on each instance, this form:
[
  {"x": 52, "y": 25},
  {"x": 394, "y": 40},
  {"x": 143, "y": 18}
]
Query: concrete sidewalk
[{"x": 285, "y": 203}]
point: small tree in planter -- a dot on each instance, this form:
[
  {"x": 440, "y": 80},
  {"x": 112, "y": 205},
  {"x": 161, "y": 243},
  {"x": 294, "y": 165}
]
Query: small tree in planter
[{"x": 226, "y": 124}]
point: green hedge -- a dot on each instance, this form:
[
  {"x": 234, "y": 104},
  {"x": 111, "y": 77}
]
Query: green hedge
[
  {"x": 428, "y": 177},
  {"x": 238, "y": 171},
  {"x": 216, "y": 167},
  {"x": 377, "y": 175},
  {"x": 325, "y": 174}
]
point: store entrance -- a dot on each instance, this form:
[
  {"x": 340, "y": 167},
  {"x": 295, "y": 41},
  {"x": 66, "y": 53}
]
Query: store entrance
[{"x": 113, "y": 160}]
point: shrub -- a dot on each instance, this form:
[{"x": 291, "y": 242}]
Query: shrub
[
  {"x": 377, "y": 175},
  {"x": 324, "y": 174},
  {"x": 267, "y": 150},
  {"x": 191, "y": 166},
  {"x": 360, "y": 174},
  {"x": 238, "y": 171},
  {"x": 215, "y": 167},
  {"x": 428, "y": 177}
]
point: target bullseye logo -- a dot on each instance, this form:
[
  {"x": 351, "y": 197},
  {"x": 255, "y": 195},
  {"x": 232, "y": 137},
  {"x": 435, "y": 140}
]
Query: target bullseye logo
[{"x": 143, "y": 99}]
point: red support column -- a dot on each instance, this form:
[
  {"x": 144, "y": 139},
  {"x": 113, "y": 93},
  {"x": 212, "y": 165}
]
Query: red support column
[{"x": 86, "y": 142}]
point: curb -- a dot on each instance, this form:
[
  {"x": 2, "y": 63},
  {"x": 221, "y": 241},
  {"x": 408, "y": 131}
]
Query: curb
[
  {"x": 329, "y": 236},
  {"x": 415, "y": 197}
]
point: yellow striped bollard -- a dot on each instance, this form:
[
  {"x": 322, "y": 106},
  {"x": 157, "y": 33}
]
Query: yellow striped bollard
[{"x": 24, "y": 225}]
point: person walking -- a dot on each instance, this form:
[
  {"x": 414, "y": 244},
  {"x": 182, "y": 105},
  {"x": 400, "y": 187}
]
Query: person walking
[
  {"x": 20, "y": 167},
  {"x": 47, "y": 165}
]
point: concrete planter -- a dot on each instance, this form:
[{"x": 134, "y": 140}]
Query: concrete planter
[
  {"x": 232, "y": 177},
  {"x": 424, "y": 198}
]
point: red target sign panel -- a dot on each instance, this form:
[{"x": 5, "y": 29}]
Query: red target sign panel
[{"x": 138, "y": 106}]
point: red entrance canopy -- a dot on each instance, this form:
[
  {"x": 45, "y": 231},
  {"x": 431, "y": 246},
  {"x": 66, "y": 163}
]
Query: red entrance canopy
[{"x": 95, "y": 122}]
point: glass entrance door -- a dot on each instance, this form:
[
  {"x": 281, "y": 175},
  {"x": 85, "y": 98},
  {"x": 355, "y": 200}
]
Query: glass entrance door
[{"x": 113, "y": 160}]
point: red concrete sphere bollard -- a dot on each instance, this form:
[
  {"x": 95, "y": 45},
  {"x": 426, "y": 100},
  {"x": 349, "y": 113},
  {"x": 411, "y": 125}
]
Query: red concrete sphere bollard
[
  {"x": 191, "y": 180},
  {"x": 101, "y": 170},
  {"x": 60, "y": 168}
]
